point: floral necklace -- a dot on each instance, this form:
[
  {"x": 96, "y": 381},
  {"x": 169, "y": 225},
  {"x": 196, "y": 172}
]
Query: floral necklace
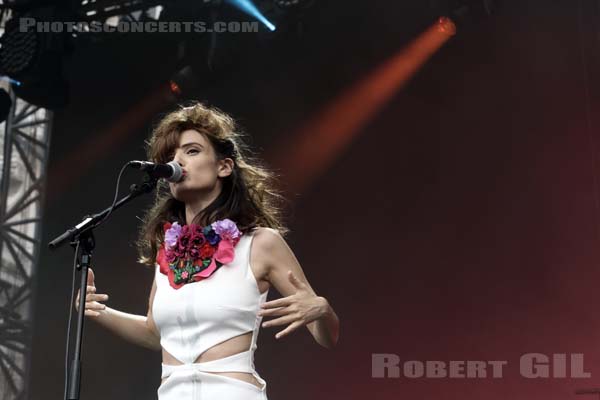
[{"x": 191, "y": 253}]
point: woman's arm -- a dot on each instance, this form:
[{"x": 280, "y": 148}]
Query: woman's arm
[
  {"x": 326, "y": 330},
  {"x": 300, "y": 304},
  {"x": 137, "y": 329}
]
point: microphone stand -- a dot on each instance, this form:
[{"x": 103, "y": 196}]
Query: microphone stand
[{"x": 81, "y": 238}]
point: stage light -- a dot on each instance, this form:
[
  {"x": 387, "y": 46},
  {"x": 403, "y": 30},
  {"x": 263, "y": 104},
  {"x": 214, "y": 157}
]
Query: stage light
[
  {"x": 184, "y": 82},
  {"x": 175, "y": 89},
  {"x": 249, "y": 8},
  {"x": 18, "y": 50},
  {"x": 445, "y": 25},
  {"x": 33, "y": 62},
  {"x": 10, "y": 80}
]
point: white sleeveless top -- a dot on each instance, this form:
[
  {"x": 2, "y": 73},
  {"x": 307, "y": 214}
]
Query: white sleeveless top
[{"x": 200, "y": 315}]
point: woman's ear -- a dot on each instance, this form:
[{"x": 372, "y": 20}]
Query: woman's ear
[{"x": 225, "y": 167}]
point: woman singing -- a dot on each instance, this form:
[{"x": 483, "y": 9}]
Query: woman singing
[{"x": 215, "y": 241}]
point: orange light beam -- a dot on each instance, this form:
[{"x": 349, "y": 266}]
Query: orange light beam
[
  {"x": 311, "y": 149},
  {"x": 95, "y": 148}
]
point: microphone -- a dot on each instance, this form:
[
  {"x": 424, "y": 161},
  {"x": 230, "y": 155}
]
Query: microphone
[{"x": 171, "y": 171}]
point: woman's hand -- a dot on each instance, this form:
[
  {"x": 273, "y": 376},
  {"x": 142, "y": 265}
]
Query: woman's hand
[
  {"x": 298, "y": 310},
  {"x": 92, "y": 300}
]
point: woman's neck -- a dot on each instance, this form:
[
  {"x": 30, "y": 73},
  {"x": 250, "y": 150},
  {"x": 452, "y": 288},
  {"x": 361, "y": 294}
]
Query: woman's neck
[{"x": 194, "y": 208}]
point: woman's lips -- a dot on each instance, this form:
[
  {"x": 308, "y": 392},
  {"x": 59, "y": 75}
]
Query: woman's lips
[{"x": 183, "y": 176}]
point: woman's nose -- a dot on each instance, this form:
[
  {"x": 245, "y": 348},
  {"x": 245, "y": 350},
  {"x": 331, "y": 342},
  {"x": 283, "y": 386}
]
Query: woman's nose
[{"x": 177, "y": 160}]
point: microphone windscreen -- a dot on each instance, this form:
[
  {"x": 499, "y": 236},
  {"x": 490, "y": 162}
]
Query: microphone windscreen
[{"x": 177, "y": 172}]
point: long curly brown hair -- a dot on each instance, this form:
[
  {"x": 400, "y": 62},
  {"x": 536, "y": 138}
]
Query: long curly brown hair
[{"x": 248, "y": 194}]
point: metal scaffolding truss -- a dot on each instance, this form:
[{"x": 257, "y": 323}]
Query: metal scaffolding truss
[
  {"x": 105, "y": 10},
  {"x": 112, "y": 11},
  {"x": 25, "y": 140}
]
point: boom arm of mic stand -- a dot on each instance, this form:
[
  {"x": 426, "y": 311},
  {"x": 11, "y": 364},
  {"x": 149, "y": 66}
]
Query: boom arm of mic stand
[{"x": 91, "y": 221}]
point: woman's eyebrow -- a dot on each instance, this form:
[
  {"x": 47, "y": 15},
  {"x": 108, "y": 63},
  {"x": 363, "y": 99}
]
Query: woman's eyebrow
[{"x": 191, "y": 144}]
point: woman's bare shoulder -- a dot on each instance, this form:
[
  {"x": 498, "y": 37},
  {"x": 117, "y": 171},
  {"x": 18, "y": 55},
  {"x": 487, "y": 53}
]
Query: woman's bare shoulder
[
  {"x": 265, "y": 241},
  {"x": 265, "y": 238}
]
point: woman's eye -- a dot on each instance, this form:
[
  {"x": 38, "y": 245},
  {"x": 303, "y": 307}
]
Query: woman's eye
[{"x": 190, "y": 150}]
